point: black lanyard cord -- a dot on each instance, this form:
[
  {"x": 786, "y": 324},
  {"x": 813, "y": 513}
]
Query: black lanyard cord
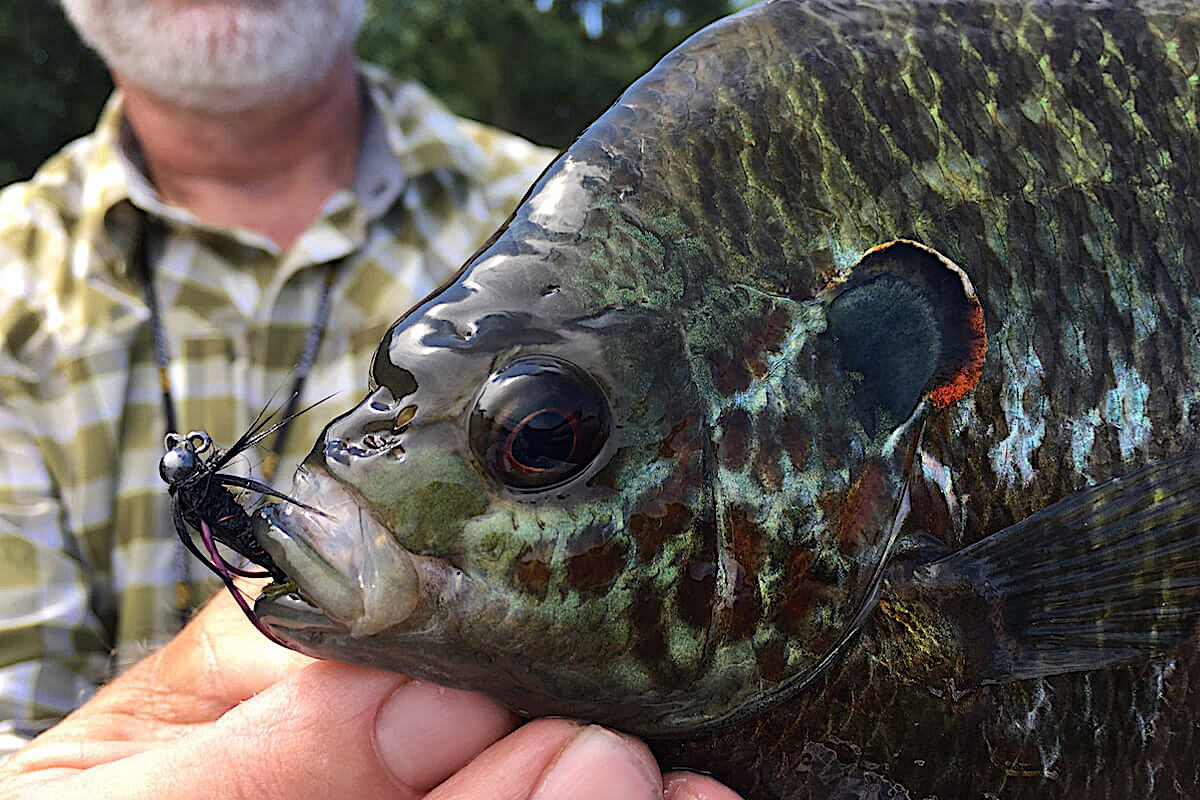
[
  {"x": 304, "y": 365},
  {"x": 142, "y": 260}
]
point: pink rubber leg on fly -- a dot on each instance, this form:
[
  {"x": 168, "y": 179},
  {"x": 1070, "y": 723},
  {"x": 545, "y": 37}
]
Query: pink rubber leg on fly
[{"x": 223, "y": 567}]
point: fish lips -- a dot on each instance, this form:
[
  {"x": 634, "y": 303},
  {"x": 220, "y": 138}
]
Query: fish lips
[{"x": 352, "y": 574}]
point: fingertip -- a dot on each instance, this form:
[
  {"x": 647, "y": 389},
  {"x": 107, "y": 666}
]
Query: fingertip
[
  {"x": 599, "y": 764},
  {"x": 558, "y": 759},
  {"x": 424, "y": 733}
]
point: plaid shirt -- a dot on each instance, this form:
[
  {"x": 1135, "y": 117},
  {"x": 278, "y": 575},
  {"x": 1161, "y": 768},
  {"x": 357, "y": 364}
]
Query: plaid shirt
[{"x": 91, "y": 574}]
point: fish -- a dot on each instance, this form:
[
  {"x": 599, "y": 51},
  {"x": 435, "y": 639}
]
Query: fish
[{"x": 826, "y": 414}]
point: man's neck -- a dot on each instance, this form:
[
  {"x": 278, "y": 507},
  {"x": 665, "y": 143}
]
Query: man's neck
[{"x": 269, "y": 169}]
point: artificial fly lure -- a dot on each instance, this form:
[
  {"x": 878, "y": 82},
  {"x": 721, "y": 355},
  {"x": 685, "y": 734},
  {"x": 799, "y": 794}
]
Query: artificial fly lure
[{"x": 201, "y": 498}]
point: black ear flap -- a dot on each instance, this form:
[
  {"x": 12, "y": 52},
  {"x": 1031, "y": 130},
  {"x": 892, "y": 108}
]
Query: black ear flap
[{"x": 908, "y": 322}]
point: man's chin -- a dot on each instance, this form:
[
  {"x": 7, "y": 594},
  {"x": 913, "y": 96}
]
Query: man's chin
[{"x": 218, "y": 57}]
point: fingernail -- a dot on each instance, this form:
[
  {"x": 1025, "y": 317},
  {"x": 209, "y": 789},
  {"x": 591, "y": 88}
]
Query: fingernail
[
  {"x": 601, "y": 765},
  {"x": 675, "y": 787},
  {"x": 691, "y": 786},
  {"x": 424, "y": 733}
]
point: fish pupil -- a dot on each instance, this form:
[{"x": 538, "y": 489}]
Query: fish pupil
[{"x": 544, "y": 440}]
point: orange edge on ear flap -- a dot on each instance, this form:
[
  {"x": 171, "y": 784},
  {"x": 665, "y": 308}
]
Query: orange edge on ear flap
[
  {"x": 889, "y": 243},
  {"x": 964, "y": 379},
  {"x": 966, "y": 376}
]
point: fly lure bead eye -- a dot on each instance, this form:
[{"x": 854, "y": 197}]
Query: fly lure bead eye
[
  {"x": 539, "y": 422},
  {"x": 177, "y": 463}
]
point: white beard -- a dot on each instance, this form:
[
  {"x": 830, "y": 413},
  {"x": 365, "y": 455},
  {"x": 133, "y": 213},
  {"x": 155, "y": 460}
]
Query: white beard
[{"x": 218, "y": 55}]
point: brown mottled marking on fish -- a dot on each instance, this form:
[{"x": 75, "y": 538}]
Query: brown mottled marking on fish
[
  {"x": 695, "y": 590},
  {"x": 667, "y": 448},
  {"x": 793, "y": 439},
  {"x": 767, "y": 469},
  {"x": 649, "y": 532},
  {"x": 771, "y": 660},
  {"x": 860, "y": 509},
  {"x": 734, "y": 373},
  {"x": 767, "y": 336},
  {"x": 532, "y": 571},
  {"x": 729, "y": 373},
  {"x": 685, "y": 445},
  {"x": 800, "y": 592},
  {"x": 735, "y": 429},
  {"x": 593, "y": 569},
  {"x": 774, "y": 330},
  {"x": 740, "y": 619}
]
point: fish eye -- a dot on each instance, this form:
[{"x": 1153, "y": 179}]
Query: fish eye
[{"x": 539, "y": 422}]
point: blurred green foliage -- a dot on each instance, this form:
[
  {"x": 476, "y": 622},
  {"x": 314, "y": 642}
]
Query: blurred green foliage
[
  {"x": 541, "y": 68},
  {"x": 51, "y": 86},
  {"x": 544, "y": 74}
]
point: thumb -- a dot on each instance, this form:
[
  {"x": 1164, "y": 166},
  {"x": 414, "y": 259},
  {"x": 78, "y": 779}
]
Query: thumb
[{"x": 326, "y": 731}]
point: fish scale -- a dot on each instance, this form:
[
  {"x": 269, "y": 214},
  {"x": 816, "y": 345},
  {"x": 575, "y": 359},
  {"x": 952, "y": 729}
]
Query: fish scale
[{"x": 895, "y": 309}]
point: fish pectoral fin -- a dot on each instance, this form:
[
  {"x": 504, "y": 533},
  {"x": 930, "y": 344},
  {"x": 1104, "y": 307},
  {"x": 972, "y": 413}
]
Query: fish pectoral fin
[{"x": 1107, "y": 575}]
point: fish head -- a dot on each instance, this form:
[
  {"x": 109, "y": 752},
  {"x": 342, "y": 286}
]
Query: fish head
[
  {"x": 552, "y": 501},
  {"x": 638, "y": 462}
]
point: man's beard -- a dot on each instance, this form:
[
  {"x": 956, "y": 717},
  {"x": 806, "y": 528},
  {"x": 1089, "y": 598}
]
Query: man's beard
[{"x": 218, "y": 55}]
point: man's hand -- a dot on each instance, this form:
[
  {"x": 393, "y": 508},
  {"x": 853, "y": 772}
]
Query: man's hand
[{"x": 222, "y": 712}]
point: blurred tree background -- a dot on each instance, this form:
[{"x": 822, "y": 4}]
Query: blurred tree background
[
  {"x": 541, "y": 68},
  {"x": 51, "y": 84}
]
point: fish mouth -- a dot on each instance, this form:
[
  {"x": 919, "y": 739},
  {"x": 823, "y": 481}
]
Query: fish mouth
[
  {"x": 282, "y": 606},
  {"x": 348, "y": 570}
]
